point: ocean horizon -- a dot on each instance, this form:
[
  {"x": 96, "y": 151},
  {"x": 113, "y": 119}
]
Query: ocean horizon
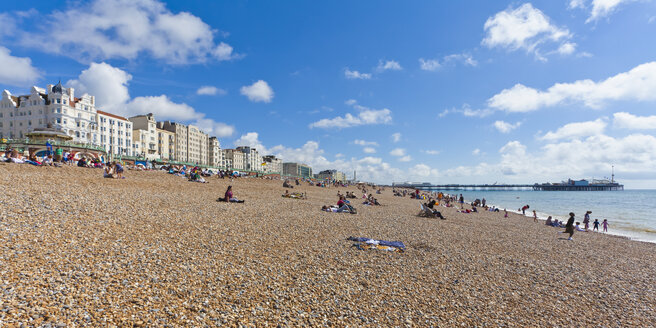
[{"x": 630, "y": 212}]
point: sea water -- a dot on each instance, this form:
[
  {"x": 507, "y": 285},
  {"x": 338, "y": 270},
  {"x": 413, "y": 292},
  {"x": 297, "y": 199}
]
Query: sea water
[{"x": 630, "y": 213}]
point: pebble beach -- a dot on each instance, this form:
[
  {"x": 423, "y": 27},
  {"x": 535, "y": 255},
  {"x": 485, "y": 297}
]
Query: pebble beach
[{"x": 154, "y": 250}]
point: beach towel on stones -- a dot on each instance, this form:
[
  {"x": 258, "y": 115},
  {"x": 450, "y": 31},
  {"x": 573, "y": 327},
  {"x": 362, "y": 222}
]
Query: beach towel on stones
[{"x": 369, "y": 241}]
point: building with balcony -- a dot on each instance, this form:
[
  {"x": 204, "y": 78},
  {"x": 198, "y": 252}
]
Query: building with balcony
[
  {"x": 215, "y": 154},
  {"x": 272, "y": 164},
  {"x": 235, "y": 159}
]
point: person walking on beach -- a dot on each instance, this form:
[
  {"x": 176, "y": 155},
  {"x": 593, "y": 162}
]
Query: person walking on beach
[
  {"x": 505, "y": 213},
  {"x": 595, "y": 225},
  {"x": 586, "y": 220},
  {"x": 569, "y": 227},
  {"x": 605, "y": 225},
  {"x": 535, "y": 216}
]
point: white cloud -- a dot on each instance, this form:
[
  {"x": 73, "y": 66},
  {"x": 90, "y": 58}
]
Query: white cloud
[
  {"x": 424, "y": 171},
  {"x": 210, "y": 91},
  {"x": 17, "y": 71},
  {"x": 398, "y": 152},
  {"x": 567, "y": 48},
  {"x": 432, "y": 152},
  {"x": 389, "y": 65},
  {"x": 625, "y": 120},
  {"x": 576, "y": 4},
  {"x": 369, "y": 150},
  {"x": 431, "y": 65},
  {"x": 638, "y": 84},
  {"x": 259, "y": 91},
  {"x": 525, "y": 28},
  {"x": 467, "y": 111},
  {"x": 251, "y": 139},
  {"x": 396, "y": 137},
  {"x": 366, "y": 116},
  {"x": 634, "y": 156},
  {"x": 126, "y": 29},
  {"x": 465, "y": 58},
  {"x": 163, "y": 108},
  {"x": 110, "y": 87},
  {"x": 406, "y": 158},
  {"x": 476, "y": 152},
  {"x": 356, "y": 75},
  {"x": 368, "y": 168},
  {"x": 351, "y": 102},
  {"x": 602, "y": 8},
  {"x": 365, "y": 143},
  {"x": 505, "y": 127},
  {"x": 577, "y": 130},
  {"x": 108, "y": 84}
]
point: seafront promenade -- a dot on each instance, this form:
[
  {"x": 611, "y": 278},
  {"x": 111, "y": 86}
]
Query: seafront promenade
[{"x": 155, "y": 250}]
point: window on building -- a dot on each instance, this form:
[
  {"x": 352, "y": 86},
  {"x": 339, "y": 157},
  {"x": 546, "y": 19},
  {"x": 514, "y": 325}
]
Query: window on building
[
  {"x": 29, "y": 123},
  {"x": 59, "y": 120}
]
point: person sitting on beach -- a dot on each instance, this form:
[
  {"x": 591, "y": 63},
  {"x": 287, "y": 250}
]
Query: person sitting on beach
[
  {"x": 342, "y": 206},
  {"x": 229, "y": 197},
  {"x": 549, "y": 221},
  {"x": 82, "y": 162},
  {"x": 578, "y": 227},
  {"x": 108, "y": 172},
  {"x": 286, "y": 184},
  {"x": 429, "y": 207},
  {"x": 473, "y": 209}
]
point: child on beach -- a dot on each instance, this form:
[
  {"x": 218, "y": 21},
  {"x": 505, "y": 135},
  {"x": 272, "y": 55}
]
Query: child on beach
[
  {"x": 605, "y": 224},
  {"x": 505, "y": 213},
  {"x": 595, "y": 225},
  {"x": 535, "y": 216}
]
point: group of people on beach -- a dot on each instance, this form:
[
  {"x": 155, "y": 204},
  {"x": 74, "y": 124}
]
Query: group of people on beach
[
  {"x": 113, "y": 170},
  {"x": 571, "y": 227}
]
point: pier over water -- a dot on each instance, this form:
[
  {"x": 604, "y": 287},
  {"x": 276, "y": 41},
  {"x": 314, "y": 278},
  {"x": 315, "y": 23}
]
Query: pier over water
[{"x": 574, "y": 186}]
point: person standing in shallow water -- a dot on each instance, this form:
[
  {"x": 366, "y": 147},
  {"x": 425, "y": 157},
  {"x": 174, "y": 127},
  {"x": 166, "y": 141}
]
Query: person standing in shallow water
[{"x": 586, "y": 220}]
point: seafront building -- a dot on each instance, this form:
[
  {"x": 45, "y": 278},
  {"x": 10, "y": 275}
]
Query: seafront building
[
  {"x": 56, "y": 108},
  {"x": 115, "y": 133},
  {"x": 253, "y": 160},
  {"x": 165, "y": 144},
  {"x": 214, "y": 153},
  {"x": 332, "y": 175},
  {"x": 297, "y": 170},
  {"x": 235, "y": 159},
  {"x": 145, "y": 136},
  {"x": 272, "y": 164}
]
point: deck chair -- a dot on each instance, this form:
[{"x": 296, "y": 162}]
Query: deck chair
[{"x": 425, "y": 211}]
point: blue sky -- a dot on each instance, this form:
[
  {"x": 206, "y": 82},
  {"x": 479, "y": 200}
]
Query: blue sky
[{"x": 448, "y": 92}]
